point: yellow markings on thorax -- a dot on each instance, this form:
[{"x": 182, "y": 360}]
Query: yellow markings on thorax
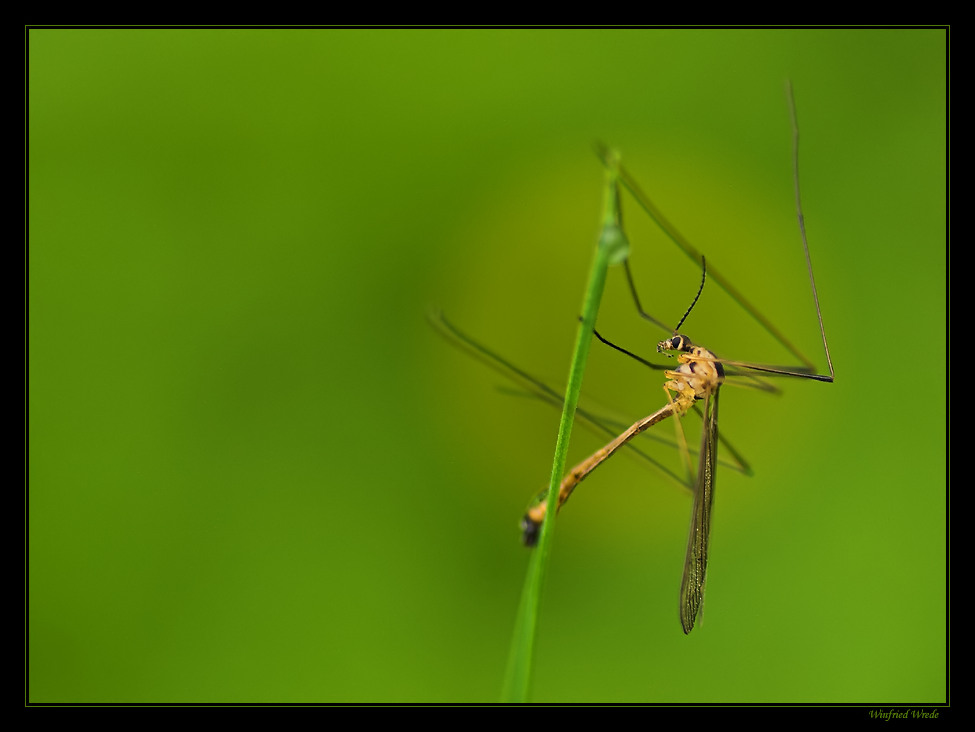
[{"x": 698, "y": 375}]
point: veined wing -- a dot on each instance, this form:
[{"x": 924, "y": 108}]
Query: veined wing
[{"x": 699, "y": 536}]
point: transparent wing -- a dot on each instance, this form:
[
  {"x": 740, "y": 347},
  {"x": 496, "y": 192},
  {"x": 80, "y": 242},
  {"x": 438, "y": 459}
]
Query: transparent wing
[{"x": 696, "y": 561}]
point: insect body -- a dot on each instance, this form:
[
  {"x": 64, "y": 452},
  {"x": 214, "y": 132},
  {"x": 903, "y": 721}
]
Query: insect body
[{"x": 698, "y": 377}]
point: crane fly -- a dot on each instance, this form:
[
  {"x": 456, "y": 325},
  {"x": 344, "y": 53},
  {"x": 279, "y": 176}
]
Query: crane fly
[
  {"x": 697, "y": 378},
  {"x": 693, "y": 385}
]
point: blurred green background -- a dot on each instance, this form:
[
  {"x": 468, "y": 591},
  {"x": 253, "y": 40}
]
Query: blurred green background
[{"x": 257, "y": 474}]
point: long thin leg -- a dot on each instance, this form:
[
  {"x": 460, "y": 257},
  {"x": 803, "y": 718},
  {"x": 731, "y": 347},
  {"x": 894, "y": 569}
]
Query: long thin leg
[
  {"x": 808, "y": 369},
  {"x": 532, "y": 522}
]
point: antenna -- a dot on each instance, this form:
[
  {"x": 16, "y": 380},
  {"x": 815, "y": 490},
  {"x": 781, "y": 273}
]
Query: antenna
[{"x": 704, "y": 276}]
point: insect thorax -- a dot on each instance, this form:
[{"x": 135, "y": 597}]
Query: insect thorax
[{"x": 699, "y": 373}]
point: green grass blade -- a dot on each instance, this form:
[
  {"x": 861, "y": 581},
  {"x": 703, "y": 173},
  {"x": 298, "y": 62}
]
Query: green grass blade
[{"x": 611, "y": 249}]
